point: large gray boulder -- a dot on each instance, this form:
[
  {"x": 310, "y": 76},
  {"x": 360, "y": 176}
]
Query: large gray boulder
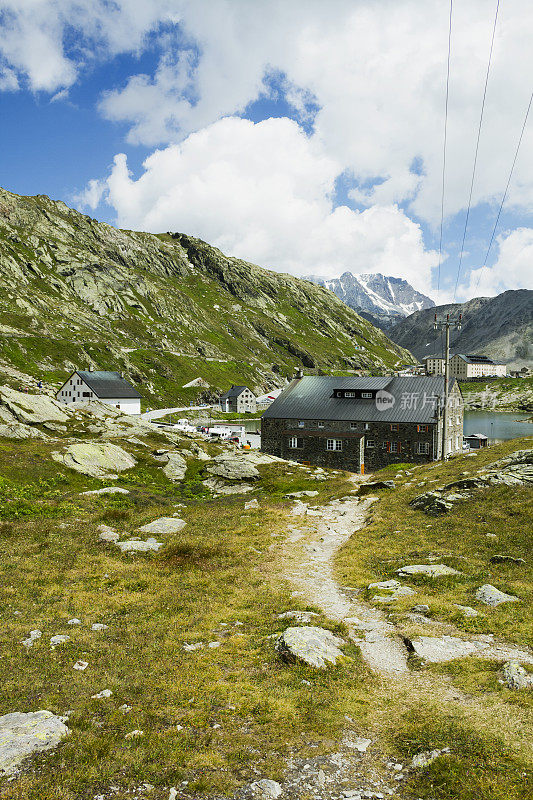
[
  {"x": 491, "y": 596},
  {"x": 23, "y": 734},
  {"x": 33, "y": 408},
  {"x": 97, "y": 459},
  {"x": 317, "y": 647},
  {"x": 175, "y": 468},
  {"x": 265, "y": 789},
  {"x": 139, "y": 546},
  {"x": 17, "y": 430},
  {"x": 233, "y": 467}
]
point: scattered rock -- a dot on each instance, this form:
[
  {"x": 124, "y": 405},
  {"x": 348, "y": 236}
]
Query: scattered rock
[
  {"x": 299, "y": 616},
  {"x": 81, "y": 665},
  {"x": 391, "y": 584},
  {"x": 371, "y": 486},
  {"x": 358, "y": 743},
  {"x": 251, "y": 504},
  {"x": 107, "y": 534},
  {"x": 108, "y": 490},
  {"x": 136, "y": 734},
  {"x": 265, "y": 789},
  {"x": 99, "y": 626},
  {"x": 516, "y": 677},
  {"x": 102, "y": 695},
  {"x": 23, "y": 734},
  {"x": 31, "y": 638},
  {"x": 163, "y": 525},
  {"x": 175, "y": 468},
  {"x": 468, "y": 611},
  {"x": 304, "y": 493},
  {"x": 431, "y": 570},
  {"x": 421, "y": 608},
  {"x": 491, "y": 596},
  {"x": 32, "y": 408},
  {"x": 74, "y": 621},
  {"x": 194, "y": 646},
  {"x": 427, "y": 757},
  {"x": 125, "y": 708},
  {"x": 499, "y": 559},
  {"x": 61, "y": 638},
  {"x": 316, "y": 646},
  {"x": 97, "y": 459},
  {"x": 233, "y": 467},
  {"x": 17, "y": 430},
  {"x": 139, "y": 546}
]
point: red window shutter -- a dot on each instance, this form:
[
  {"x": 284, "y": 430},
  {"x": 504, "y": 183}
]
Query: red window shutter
[
  {"x": 399, "y": 447},
  {"x": 388, "y": 447}
]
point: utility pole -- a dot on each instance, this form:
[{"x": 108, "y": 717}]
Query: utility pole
[{"x": 446, "y": 324}]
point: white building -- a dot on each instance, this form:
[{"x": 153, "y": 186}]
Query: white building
[
  {"x": 108, "y": 387},
  {"x": 463, "y": 367},
  {"x": 434, "y": 365}
]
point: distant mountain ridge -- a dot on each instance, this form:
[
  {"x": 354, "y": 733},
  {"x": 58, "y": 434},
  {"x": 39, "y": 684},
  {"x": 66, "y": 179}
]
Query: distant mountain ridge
[
  {"x": 380, "y": 298},
  {"x": 500, "y": 327}
]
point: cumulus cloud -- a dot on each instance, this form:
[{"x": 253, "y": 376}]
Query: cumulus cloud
[
  {"x": 513, "y": 268},
  {"x": 263, "y": 192}
]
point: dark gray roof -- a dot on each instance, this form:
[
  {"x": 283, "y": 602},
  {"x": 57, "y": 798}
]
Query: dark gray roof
[
  {"x": 311, "y": 397},
  {"x": 235, "y": 391},
  {"x": 473, "y": 359},
  {"x": 108, "y": 384}
]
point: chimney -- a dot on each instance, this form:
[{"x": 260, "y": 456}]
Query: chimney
[{"x": 298, "y": 374}]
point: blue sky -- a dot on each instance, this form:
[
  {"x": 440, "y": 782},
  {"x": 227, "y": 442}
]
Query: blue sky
[{"x": 306, "y": 139}]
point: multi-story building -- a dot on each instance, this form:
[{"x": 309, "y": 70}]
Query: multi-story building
[
  {"x": 355, "y": 423},
  {"x": 238, "y": 399},
  {"x": 464, "y": 367},
  {"x": 434, "y": 365}
]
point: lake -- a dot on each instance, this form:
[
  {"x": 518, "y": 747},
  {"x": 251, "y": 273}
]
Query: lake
[{"x": 496, "y": 425}]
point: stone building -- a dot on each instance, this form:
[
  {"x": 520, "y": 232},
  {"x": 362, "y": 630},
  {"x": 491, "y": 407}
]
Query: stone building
[
  {"x": 348, "y": 423},
  {"x": 468, "y": 367},
  {"x": 239, "y": 400},
  {"x": 108, "y": 387}
]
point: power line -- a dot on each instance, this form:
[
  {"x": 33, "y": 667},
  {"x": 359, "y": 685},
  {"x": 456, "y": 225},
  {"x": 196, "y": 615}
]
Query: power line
[
  {"x": 445, "y": 140},
  {"x": 477, "y": 149},
  {"x": 505, "y": 192}
]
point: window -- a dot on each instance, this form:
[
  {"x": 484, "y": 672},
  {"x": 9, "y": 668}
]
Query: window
[
  {"x": 320, "y": 424},
  {"x": 385, "y": 445},
  {"x": 366, "y": 394},
  {"x": 301, "y": 424},
  {"x": 295, "y": 443},
  {"x": 349, "y": 394},
  {"x": 87, "y": 394},
  {"x": 370, "y": 443},
  {"x": 393, "y": 447},
  {"x": 394, "y": 426},
  {"x": 422, "y": 448},
  {"x": 422, "y": 428},
  {"x": 334, "y": 444},
  {"x": 367, "y": 426},
  {"x": 353, "y": 425}
]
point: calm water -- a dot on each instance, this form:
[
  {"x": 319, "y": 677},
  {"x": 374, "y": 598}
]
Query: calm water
[{"x": 498, "y": 425}]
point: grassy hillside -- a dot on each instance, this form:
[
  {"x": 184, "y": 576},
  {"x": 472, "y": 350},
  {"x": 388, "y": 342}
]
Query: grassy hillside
[
  {"x": 503, "y": 394},
  {"x": 164, "y": 309}
]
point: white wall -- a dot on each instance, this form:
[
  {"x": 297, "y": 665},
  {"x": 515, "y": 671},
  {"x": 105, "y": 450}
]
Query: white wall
[
  {"x": 130, "y": 405},
  {"x": 74, "y": 389}
]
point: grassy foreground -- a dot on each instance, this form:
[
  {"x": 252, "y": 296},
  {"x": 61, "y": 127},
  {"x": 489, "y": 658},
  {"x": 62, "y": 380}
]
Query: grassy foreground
[{"x": 220, "y": 716}]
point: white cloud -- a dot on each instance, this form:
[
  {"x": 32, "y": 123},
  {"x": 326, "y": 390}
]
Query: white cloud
[
  {"x": 8, "y": 80},
  {"x": 513, "y": 268},
  {"x": 263, "y": 192}
]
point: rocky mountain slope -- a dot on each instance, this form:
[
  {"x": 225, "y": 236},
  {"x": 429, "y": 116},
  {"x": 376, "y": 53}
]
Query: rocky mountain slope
[
  {"x": 379, "y": 298},
  {"x": 165, "y": 309},
  {"x": 500, "y": 327}
]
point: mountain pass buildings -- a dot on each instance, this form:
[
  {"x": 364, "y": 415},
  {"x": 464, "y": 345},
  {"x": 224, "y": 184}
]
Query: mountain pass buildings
[
  {"x": 108, "y": 387},
  {"x": 363, "y": 423},
  {"x": 465, "y": 367},
  {"x": 239, "y": 400}
]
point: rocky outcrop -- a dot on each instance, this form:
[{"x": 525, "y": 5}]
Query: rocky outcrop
[
  {"x": 22, "y": 734},
  {"x": 513, "y": 470},
  {"x": 32, "y": 409},
  {"x": 233, "y": 467},
  {"x": 99, "y": 460}
]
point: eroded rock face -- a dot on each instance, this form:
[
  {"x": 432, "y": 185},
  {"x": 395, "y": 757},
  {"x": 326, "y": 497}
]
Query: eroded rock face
[
  {"x": 491, "y": 596},
  {"x": 22, "y": 734},
  {"x": 17, "y": 430},
  {"x": 318, "y": 647},
  {"x": 233, "y": 467},
  {"x": 32, "y": 408},
  {"x": 97, "y": 459}
]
